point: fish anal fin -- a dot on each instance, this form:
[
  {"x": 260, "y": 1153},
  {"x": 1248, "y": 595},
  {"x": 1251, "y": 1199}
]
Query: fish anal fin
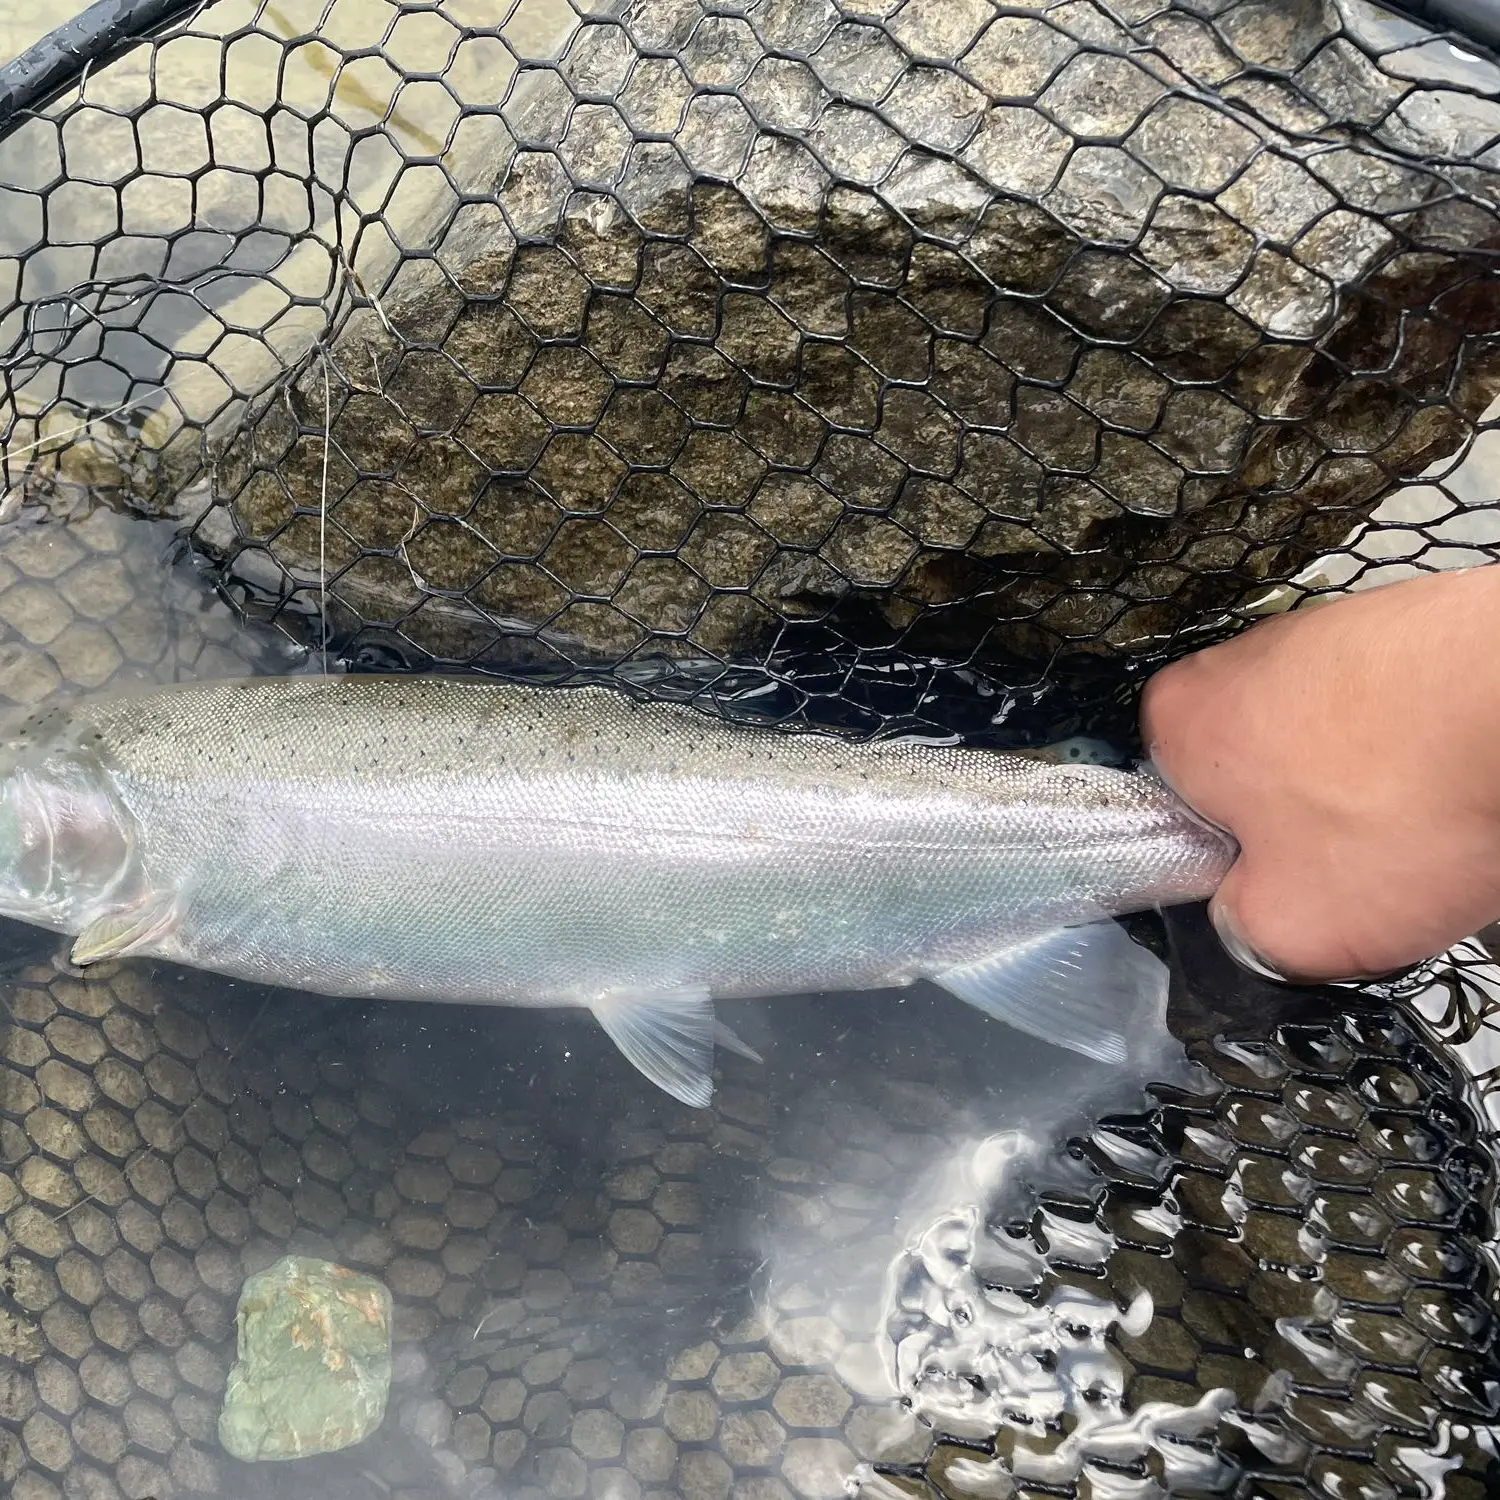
[
  {"x": 127, "y": 930},
  {"x": 1080, "y": 987},
  {"x": 669, "y": 1036}
]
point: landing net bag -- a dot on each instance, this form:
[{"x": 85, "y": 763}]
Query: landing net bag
[{"x": 944, "y": 365}]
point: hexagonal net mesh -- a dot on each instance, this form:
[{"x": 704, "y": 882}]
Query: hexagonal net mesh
[
  {"x": 944, "y": 363},
  {"x": 872, "y": 354}
]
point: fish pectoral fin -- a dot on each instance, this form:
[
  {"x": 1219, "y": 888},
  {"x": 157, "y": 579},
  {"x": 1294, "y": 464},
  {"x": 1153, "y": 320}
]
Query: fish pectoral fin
[
  {"x": 126, "y": 931},
  {"x": 668, "y": 1036},
  {"x": 1077, "y": 987}
]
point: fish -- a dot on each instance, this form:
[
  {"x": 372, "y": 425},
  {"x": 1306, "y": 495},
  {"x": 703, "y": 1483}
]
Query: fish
[{"x": 472, "y": 841}]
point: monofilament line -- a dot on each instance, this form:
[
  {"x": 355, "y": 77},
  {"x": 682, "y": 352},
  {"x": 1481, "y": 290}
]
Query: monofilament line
[
  {"x": 67, "y": 432},
  {"x": 323, "y": 509}
]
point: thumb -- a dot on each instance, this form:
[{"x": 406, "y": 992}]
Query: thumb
[{"x": 1308, "y": 943}]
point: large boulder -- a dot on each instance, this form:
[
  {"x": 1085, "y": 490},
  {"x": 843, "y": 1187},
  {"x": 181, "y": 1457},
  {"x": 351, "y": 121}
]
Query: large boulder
[{"x": 985, "y": 333}]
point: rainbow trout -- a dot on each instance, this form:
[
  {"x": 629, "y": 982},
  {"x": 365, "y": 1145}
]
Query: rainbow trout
[{"x": 423, "y": 838}]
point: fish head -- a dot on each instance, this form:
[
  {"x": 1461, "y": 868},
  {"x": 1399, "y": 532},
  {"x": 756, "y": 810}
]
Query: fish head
[{"x": 67, "y": 845}]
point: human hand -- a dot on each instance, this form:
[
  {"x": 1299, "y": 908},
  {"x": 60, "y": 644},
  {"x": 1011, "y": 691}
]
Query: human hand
[{"x": 1353, "y": 749}]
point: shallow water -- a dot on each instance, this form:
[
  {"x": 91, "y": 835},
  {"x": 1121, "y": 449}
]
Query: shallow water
[{"x": 595, "y": 1288}]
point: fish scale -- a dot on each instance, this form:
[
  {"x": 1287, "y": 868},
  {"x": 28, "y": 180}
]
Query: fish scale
[{"x": 484, "y": 842}]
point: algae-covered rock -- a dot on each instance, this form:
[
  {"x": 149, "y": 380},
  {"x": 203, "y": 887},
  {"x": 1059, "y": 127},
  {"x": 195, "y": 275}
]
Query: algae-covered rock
[
  {"x": 314, "y": 1365},
  {"x": 1091, "y": 332}
]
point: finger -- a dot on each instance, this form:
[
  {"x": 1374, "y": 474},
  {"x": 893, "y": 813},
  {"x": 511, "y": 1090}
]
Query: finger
[
  {"x": 1165, "y": 711},
  {"x": 1178, "y": 723}
]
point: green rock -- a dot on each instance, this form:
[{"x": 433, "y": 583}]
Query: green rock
[{"x": 314, "y": 1361}]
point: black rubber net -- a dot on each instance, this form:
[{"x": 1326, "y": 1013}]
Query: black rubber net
[{"x": 942, "y": 365}]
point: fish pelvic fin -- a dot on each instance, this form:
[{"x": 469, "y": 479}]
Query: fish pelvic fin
[
  {"x": 732, "y": 1042},
  {"x": 126, "y": 931},
  {"x": 668, "y": 1036},
  {"x": 1080, "y": 987}
]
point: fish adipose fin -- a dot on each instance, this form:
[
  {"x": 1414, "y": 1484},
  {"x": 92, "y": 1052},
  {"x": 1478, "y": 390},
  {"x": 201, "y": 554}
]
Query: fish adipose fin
[
  {"x": 125, "y": 931},
  {"x": 1076, "y": 987},
  {"x": 669, "y": 1037}
]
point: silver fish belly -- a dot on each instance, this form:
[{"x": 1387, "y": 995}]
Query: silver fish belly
[{"x": 426, "y": 838}]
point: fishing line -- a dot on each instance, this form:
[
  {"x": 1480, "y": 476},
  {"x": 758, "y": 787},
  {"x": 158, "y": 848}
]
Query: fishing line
[{"x": 323, "y": 507}]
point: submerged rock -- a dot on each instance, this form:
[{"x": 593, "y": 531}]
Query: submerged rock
[
  {"x": 314, "y": 1365},
  {"x": 1029, "y": 333}
]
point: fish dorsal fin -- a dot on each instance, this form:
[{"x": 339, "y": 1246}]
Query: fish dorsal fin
[
  {"x": 1079, "y": 987},
  {"x": 126, "y": 931},
  {"x": 668, "y": 1036}
]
